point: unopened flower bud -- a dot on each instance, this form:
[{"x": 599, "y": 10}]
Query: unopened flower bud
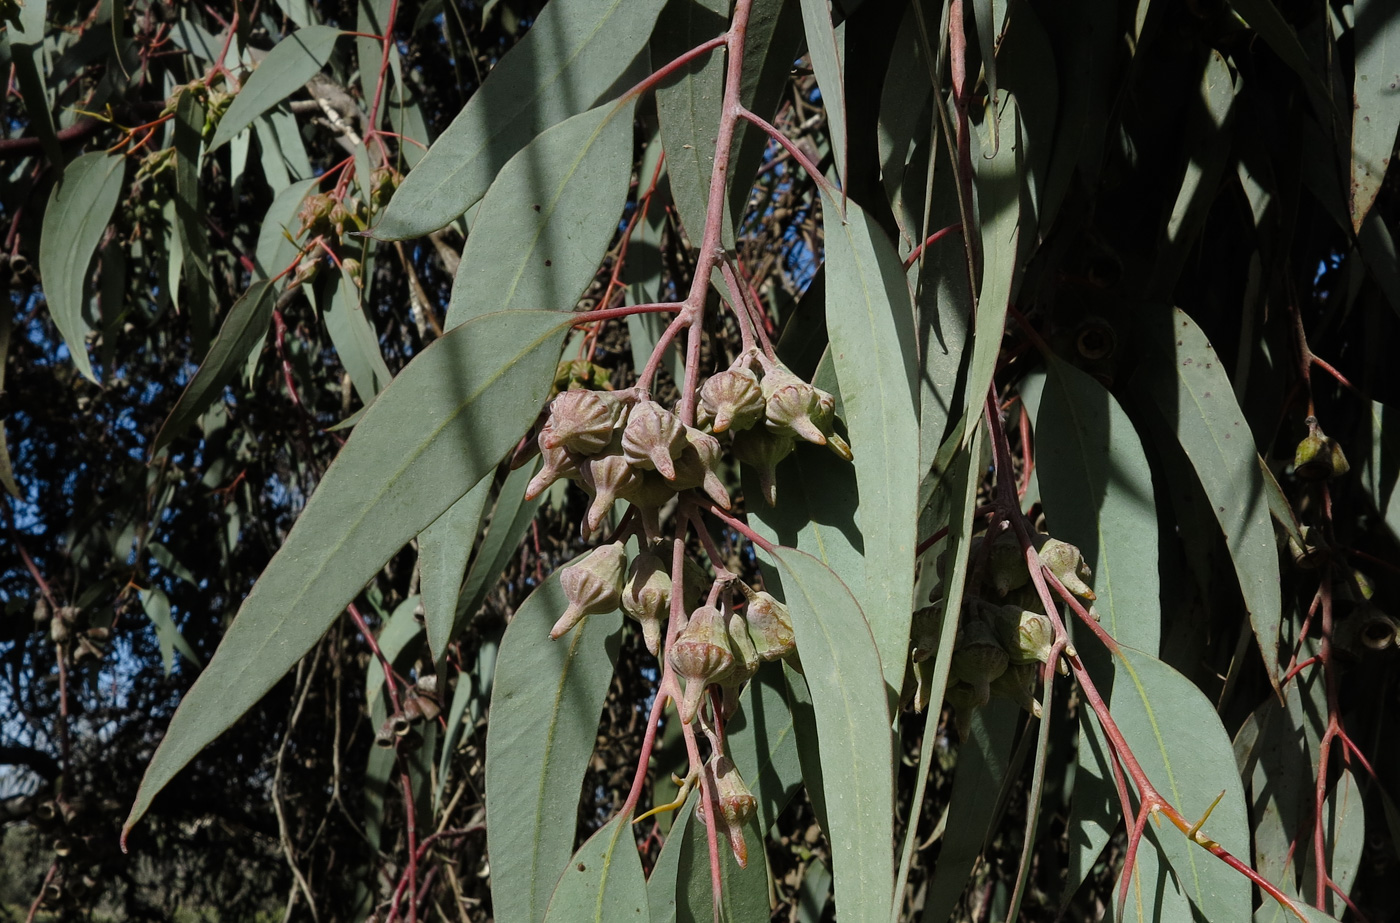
[
  {"x": 964, "y": 699},
  {"x": 770, "y": 624},
  {"x": 925, "y": 631},
  {"x": 647, "y": 597},
  {"x": 763, "y": 450},
  {"x": 979, "y": 659},
  {"x": 1319, "y": 457},
  {"x": 653, "y": 438},
  {"x": 1067, "y": 564},
  {"x": 606, "y": 477},
  {"x": 701, "y": 655},
  {"x": 790, "y": 403},
  {"x": 695, "y": 466},
  {"x": 1018, "y": 685},
  {"x": 582, "y": 421},
  {"x": 558, "y": 463},
  {"x": 734, "y": 802},
  {"x": 1026, "y": 636},
  {"x": 1006, "y": 565},
  {"x": 592, "y": 584},
  {"x": 733, "y": 399}
]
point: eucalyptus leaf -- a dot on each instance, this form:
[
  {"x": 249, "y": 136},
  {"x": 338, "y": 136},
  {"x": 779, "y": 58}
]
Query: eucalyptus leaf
[
  {"x": 286, "y": 68},
  {"x": 79, "y": 208},
  {"x": 842, "y": 667},
  {"x": 604, "y": 880},
  {"x": 563, "y": 66},
  {"x": 438, "y": 429},
  {"x": 544, "y": 718}
]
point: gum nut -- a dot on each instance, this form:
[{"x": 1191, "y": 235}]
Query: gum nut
[
  {"x": 1066, "y": 563},
  {"x": 770, "y": 626},
  {"x": 736, "y": 805},
  {"x": 592, "y": 584},
  {"x": 1319, "y": 457},
  {"x": 653, "y": 438},
  {"x": 978, "y": 659},
  {"x": 763, "y": 450},
  {"x": 964, "y": 700},
  {"x": 558, "y": 463},
  {"x": 582, "y": 421},
  {"x": 734, "y": 399},
  {"x": 606, "y": 477}
]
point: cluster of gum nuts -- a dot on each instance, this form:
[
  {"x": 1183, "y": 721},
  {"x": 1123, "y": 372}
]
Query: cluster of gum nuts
[
  {"x": 622, "y": 445},
  {"x": 1004, "y": 633}
]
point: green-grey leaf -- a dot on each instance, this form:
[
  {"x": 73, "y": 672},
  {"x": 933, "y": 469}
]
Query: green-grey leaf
[
  {"x": 761, "y": 742},
  {"x": 546, "y": 222},
  {"x": 442, "y": 425},
  {"x": 544, "y": 718},
  {"x": 825, "y": 45},
  {"x": 291, "y": 62},
  {"x": 356, "y": 341},
  {"x": 564, "y": 65},
  {"x": 664, "y": 880},
  {"x": 603, "y": 880},
  {"x": 842, "y": 666},
  {"x": 79, "y": 208},
  {"x": 157, "y": 606},
  {"x": 688, "y": 108},
  {"x": 242, "y": 330},
  {"x": 1375, "y": 103},
  {"x": 983, "y": 760},
  {"x": 870, "y": 320},
  {"x": 443, "y": 550},
  {"x": 395, "y": 640},
  {"x": 1177, "y": 737},
  {"x": 1184, "y": 377},
  {"x": 1097, "y": 491},
  {"x": 276, "y": 236},
  {"x": 744, "y": 891},
  {"x": 1207, "y": 142}
]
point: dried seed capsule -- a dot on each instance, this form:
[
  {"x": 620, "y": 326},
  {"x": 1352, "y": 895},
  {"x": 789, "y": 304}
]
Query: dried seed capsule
[
  {"x": 1066, "y": 563},
  {"x": 763, "y": 450},
  {"x": 606, "y": 477},
  {"x": 653, "y": 438},
  {"x": 1319, "y": 457},
  {"x": 695, "y": 466},
  {"x": 701, "y": 655},
  {"x": 733, "y": 399},
  {"x": 979, "y": 659},
  {"x": 769, "y": 623},
  {"x": 647, "y": 597},
  {"x": 582, "y": 421},
  {"x": 592, "y": 584}
]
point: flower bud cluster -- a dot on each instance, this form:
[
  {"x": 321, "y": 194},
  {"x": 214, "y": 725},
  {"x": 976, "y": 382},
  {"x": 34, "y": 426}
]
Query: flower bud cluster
[
  {"x": 620, "y": 445},
  {"x": 725, "y": 647},
  {"x": 766, "y": 408},
  {"x": 1004, "y": 633}
]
